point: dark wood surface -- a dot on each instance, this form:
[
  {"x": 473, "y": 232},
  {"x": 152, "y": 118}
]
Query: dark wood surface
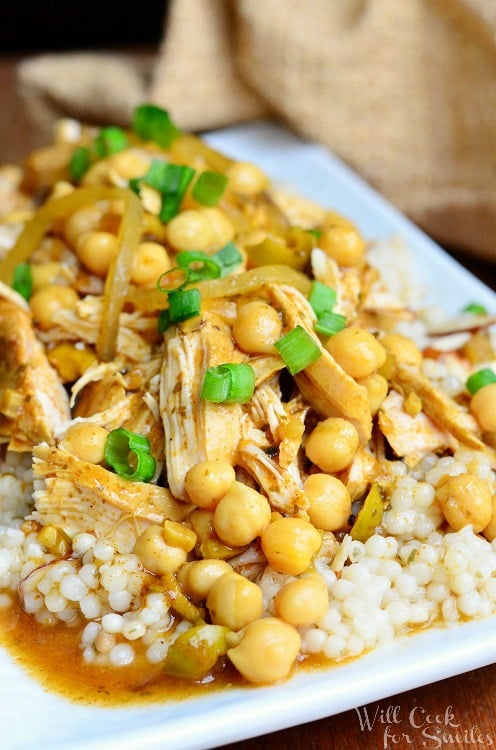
[{"x": 458, "y": 713}]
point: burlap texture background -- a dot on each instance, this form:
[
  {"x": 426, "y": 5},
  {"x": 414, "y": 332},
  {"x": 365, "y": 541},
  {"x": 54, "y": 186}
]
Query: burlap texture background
[{"x": 403, "y": 90}]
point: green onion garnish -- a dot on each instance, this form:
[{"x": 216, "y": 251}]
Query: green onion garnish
[
  {"x": 22, "y": 281},
  {"x": 129, "y": 455},
  {"x": 171, "y": 181},
  {"x": 330, "y": 323},
  {"x": 184, "y": 304},
  {"x": 201, "y": 266},
  {"x": 209, "y": 187},
  {"x": 228, "y": 258},
  {"x": 322, "y": 298},
  {"x": 479, "y": 379},
  {"x": 154, "y": 124},
  {"x": 173, "y": 280},
  {"x": 164, "y": 321},
  {"x": 229, "y": 384},
  {"x": 80, "y": 163},
  {"x": 317, "y": 233},
  {"x": 298, "y": 350},
  {"x": 475, "y": 309},
  {"x": 110, "y": 140}
]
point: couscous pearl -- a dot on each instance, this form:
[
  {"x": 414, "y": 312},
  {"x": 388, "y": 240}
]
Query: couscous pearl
[
  {"x": 352, "y": 606},
  {"x": 67, "y": 614},
  {"x": 405, "y": 584},
  {"x": 149, "y": 616},
  {"x": 449, "y": 609},
  {"x": 436, "y": 592},
  {"x": 82, "y": 542},
  {"x": 421, "y": 572},
  {"x": 121, "y": 655},
  {"x": 120, "y": 601},
  {"x": 490, "y": 589},
  {"x": 398, "y": 613},
  {"x": 157, "y": 651},
  {"x": 335, "y": 647},
  {"x": 330, "y": 620},
  {"x": 114, "y": 578},
  {"x": 88, "y": 574},
  {"x": 390, "y": 569},
  {"x": 133, "y": 629},
  {"x": 112, "y": 623},
  {"x": 58, "y": 571},
  {"x": 461, "y": 584},
  {"x": 55, "y": 602},
  {"x": 103, "y": 551},
  {"x": 73, "y": 588},
  {"x": 88, "y": 655},
  {"x": 376, "y": 546},
  {"x": 355, "y": 645},
  {"x": 419, "y": 613},
  {"x": 45, "y": 585},
  {"x": 342, "y": 589},
  {"x": 455, "y": 561},
  {"x": 6, "y": 602},
  {"x": 91, "y": 606},
  {"x": 90, "y": 632},
  {"x": 469, "y": 603},
  {"x": 313, "y": 641},
  {"x": 365, "y": 626}
]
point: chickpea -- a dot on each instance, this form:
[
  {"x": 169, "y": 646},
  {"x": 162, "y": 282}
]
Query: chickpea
[
  {"x": 267, "y": 650},
  {"x": 198, "y": 577},
  {"x": 49, "y": 300},
  {"x": 129, "y": 164},
  {"x": 234, "y": 601},
  {"x": 302, "y": 602},
  {"x": 332, "y": 444},
  {"x": 490, "y": 530},
  {"x": 208, "y": 481},
  {"x": 257, "y": 327},
  {"x": 241, "y": 515},
  {"x": 343, "y": 244},
  {"x": 84, "y": 219},
  {"x": 329, "y": 502},
  {"x": 377, "y": 389},
  {"x": 357, "y": 351},
  {"x": 190, "y": 230},
  {"x": 246, "y": 178},
  {"x": 483, "y": 407},
  {"x": 86, "y": 441},
  {"x": 44, "y": 274},
  {"x": 465, "y": 499},
  {"x": 149, "y": 262},
  {"x": 289, "y": 544},
  {"x": 95, "y": 250},
  {"x": 221, "y": 225},
  {"x": 403, "y": 349},
  {"x": 156, "y": 555}
]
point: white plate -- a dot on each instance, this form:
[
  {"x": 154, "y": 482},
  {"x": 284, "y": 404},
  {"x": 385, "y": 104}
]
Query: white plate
[{"x": 32, "y": 718}]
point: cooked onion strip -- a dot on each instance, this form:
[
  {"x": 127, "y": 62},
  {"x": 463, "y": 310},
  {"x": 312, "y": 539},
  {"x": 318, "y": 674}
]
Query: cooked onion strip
[
  {"x": 148, "y": 300},
  {"x": 120, "y": 270}
]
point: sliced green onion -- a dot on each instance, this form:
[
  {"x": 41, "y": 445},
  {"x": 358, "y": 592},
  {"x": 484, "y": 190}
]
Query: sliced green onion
[
  {"x": 154, "y": 124},
  {"x": 22, "y": 281},
  {"x": 209, "y": 187},
  {"x": 80, "y": 163},
  {"x": 201, "y": 266},
  {"x": 184, "y": 304},
  {"x": 317, "y": 233},
  {"x": 229, "y": 384},
  {"x": 322, "y": 298},
  {"x": 228, "y": 258},
  {"x": 298, "y": 350},
  {"x": 110, "y": 140},
  {"x": 330, "y": 323},
  {"x": 173, "y": 280},
  {"x": 128, "y": 454},
  {"x": 164, "y": 321},
  {"x": 475, "y": 309},
  {"x": 479, "y": 379},
  {"x": 171, "y": 181}
]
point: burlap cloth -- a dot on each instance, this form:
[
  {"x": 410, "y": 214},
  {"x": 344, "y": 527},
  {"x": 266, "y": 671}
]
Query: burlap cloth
[{"x": 402, "y": 90}]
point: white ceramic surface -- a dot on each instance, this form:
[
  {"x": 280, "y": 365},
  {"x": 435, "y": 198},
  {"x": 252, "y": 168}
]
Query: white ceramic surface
[{"x": 31, "y": 718}]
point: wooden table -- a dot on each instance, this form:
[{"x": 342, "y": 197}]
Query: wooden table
[{"x": 462, "y": 710}]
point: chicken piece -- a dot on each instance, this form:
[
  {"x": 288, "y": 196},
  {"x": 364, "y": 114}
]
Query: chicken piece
[
  {"x": 265, "y": 366},
  {"x": 33, "y": 402},
  {"x": 437, "y": 405},
  {"x": 77, "y": 496},
  {"x": 196, "y": 430},
  {"x": 345, "y": 282},
  {"x": 361, "y": 473},
  {"x": 282, "y": 489},
  {"x": 410, "y": 437},
  {"x": 286, "y": 421}
]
